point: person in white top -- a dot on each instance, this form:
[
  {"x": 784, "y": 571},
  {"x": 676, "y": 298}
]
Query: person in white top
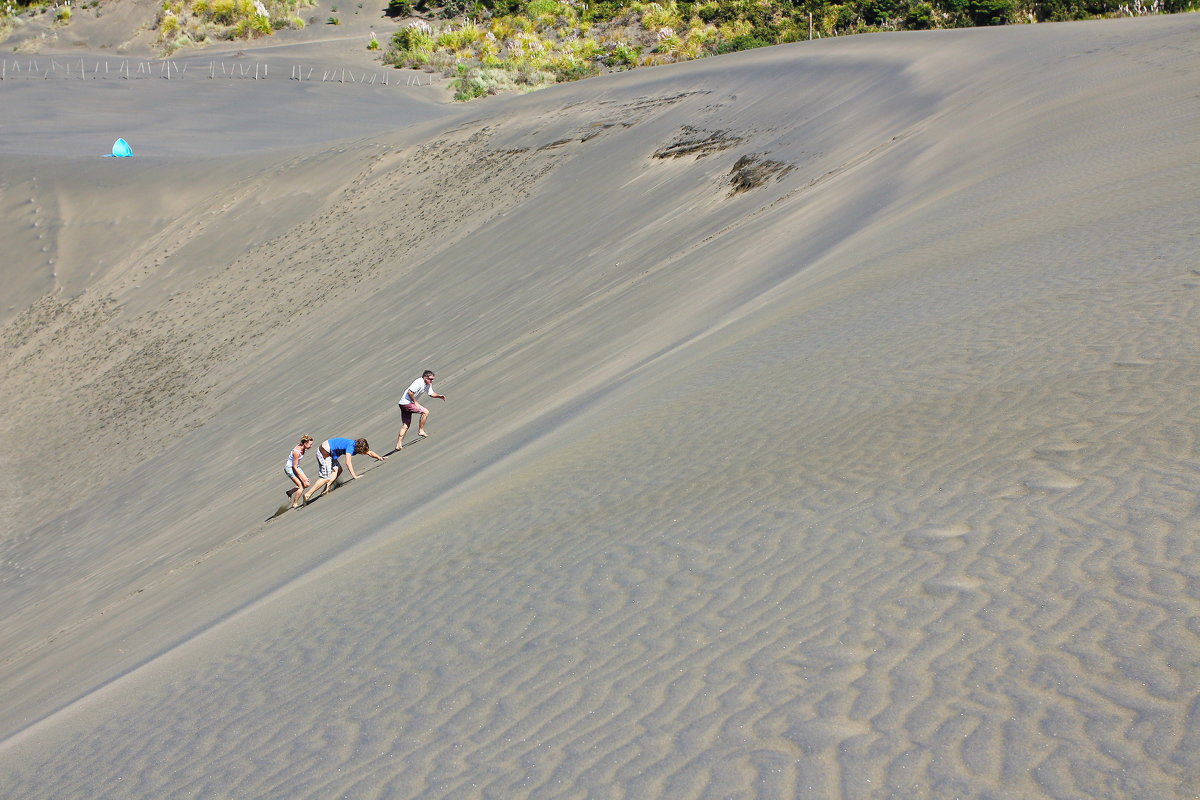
[
  {"x": 291, "y": 468},
  {"x": 410, "y": 404}
]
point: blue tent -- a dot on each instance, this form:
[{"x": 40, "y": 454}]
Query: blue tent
[{"x": 121, "y": 149}]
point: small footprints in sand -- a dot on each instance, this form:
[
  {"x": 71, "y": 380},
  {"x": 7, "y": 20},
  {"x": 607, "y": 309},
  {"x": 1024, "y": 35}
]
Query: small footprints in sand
[
  {"x": 943, "y": 531},
  {"x": 936, "y": 537},
  {"x": 1063, "y": 455},
  {"x": 816, "y": 735},
  {"x": 1052, "y": 483},
  {"x": 958, "y": 585},
  {"x": 1058, "y": 451}
]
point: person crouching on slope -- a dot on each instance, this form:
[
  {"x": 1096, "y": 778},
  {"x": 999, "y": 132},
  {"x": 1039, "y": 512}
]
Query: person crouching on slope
[
  {"x": 291, "y": 468},
  {"x": 410, "y": 404},
  {"x": 327, "y": 460}
]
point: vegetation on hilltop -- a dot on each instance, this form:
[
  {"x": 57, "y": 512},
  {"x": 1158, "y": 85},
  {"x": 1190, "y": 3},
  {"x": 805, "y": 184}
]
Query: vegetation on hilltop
[
  {"x": 180, "y": 23},
  {"x": 185, "y": 22},
  {"x": 490, "y": 46}
]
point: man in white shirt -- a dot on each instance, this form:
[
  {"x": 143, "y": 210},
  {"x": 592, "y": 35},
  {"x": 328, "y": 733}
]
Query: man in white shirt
[{"x": 410, "y": 404}]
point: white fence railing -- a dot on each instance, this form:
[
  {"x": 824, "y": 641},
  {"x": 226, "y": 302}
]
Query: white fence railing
[{"x": 48, "y": 68}]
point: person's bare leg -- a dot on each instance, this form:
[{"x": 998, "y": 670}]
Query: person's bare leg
[
  {"x": 400, "y": 438},
  {"x": 421, "y": 425},
  {"x": 297, "y": 493},
  {"x": 313, "y": 489}
]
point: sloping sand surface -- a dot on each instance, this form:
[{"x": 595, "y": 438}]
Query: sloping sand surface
[{"x": 821, "y": 423}]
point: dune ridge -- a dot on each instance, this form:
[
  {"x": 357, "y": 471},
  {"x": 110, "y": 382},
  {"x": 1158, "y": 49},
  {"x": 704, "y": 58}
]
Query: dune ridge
[{"x": 820, "y": 424}]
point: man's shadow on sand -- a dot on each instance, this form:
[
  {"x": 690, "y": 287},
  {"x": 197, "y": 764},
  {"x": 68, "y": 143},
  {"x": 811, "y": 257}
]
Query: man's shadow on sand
[{"x": 406, "y": 444}]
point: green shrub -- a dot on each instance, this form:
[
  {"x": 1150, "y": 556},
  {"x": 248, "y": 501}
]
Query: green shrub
[
  {"x": 623, "y": 56},
  {"x": 992, "y": 12},
  {"x": 544, "y": 8},
  {"x": 656, "y": 16},
  {"x": 224, "y": 12},
  {"x": 574, "y": 71},
  {"x": 252, "y": 27},
  {"x": 468, "y": 88},
  {"x": 879, "y": 12},
  {"x": 399, "y": 8},
  {"x": 920, "y": 16},
  {"x": 412, "y": 39},
  {"x": 460, "y": 39},
  {"x": 839, "y": 18},
  {"x": 604, "y": 10},
  {"x": 716, "y": 13},
  {"x": 407, "y": 58},
  {"x": 746, "y": 41},
  {"x": 967, "y": 13}
]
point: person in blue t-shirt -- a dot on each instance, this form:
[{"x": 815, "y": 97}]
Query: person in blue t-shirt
[{"x": 327, "y": 461}]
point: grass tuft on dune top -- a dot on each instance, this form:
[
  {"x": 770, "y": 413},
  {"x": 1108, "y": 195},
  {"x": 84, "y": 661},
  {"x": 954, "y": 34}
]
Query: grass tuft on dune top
[{"x": 546, "y": 41}]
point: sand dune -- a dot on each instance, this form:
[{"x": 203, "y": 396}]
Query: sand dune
[{"x": 821, "y": 423}]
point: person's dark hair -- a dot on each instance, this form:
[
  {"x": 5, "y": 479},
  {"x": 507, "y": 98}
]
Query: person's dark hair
[
  {"x": 428, "y": 374},
  {"x": 361, "y": 446}
]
